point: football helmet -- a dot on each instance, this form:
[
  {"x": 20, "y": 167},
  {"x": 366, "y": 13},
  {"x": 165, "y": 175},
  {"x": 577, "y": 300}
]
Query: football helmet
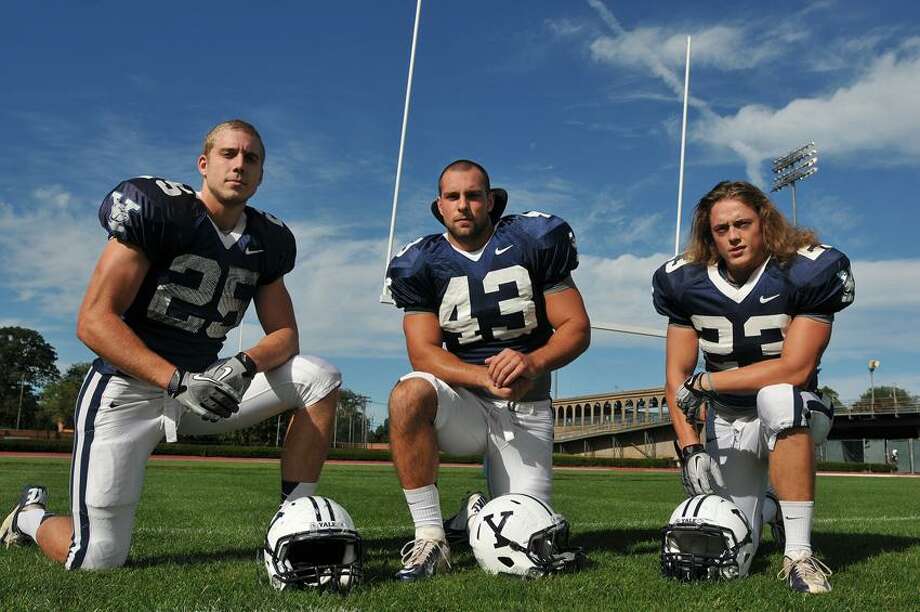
[
  {"x": 707, "y": 538},
  {"x": 312, "y": 542},
  {"x": 520, "y": 535}
]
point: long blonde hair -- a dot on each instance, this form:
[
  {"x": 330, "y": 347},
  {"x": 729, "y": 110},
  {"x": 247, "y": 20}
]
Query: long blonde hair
[{"x": 780, "y": 238}]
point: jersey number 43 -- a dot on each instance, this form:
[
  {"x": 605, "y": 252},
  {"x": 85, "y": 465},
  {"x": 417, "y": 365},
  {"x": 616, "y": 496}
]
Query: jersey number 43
[{"x": 456, "y": 312}]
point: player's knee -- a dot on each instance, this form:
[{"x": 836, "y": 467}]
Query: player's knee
[
  {"x": 775, "y": 406},
  {"x": 412, "y": 398},
  {"x": 314, "y": 371},
  {"x": 103, "y": 553}
]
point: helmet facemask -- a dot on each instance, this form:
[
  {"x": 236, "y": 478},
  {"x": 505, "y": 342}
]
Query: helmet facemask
[{"x": 326, "y": 559}]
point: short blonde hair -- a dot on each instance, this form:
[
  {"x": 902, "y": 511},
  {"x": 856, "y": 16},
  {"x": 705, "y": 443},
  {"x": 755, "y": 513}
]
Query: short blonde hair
[
  {"x": 233, "y": 124},
  {"x": 781, "y": 239}
]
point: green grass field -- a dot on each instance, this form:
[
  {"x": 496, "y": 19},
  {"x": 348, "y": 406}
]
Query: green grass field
[{"x": 200, "y": 524}]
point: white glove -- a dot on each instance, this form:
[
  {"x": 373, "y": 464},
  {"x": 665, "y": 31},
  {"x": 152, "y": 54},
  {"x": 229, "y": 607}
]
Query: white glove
[
  {"x": 215, "y": 393},
  {"x": 699, "y": 473}
]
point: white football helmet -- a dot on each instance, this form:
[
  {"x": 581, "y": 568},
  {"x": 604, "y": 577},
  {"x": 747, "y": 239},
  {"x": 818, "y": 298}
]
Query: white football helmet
[
  {"x": 312, "y": 542},
  {"x": 519, "y": 534},
  {"x": 708, "y": 537}
]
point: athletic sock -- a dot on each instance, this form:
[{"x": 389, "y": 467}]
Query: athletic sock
[
  {"x": 28, "y": 520},
  {"x": 291, "y": 490},
  {"x": 797, "y": 516},
  {"x": 425, "y": 508}
]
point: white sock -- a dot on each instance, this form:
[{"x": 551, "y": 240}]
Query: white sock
[
  {"x": 29, "y": 520},
  {"x": 797, "y": 517},
  {"x": 303, "y": 489},
  {"x": 425, "y": 508}
]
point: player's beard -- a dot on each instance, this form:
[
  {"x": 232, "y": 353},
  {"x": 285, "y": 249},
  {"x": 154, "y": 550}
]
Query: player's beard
[{"x": 474, "y": 234}]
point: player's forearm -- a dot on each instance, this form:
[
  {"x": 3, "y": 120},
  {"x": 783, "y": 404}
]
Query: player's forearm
[
  {"x": 570, "y": 340},
  {"x": 274, "y": 349},
  {"x": 686, "y": 432},
  {"x": 448, "y": 367},
  {"x": 107, "y": 335},
  {"x": 754, "y": 377}
]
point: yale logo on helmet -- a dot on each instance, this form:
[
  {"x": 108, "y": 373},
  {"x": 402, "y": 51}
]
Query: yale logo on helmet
[{"x": 500, "y": 540}]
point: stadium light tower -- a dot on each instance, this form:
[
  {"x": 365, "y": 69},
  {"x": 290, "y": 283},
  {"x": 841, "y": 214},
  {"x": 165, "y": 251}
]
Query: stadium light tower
[
  {"x": 792, "y": 167},
  {"x": 873, "y": 365}
]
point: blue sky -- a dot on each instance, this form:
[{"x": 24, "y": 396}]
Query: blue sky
[{"x": 574, "y": 107}]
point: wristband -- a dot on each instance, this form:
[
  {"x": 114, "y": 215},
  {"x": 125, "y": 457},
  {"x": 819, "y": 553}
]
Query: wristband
[
  {"x": 248, "y": 363},
  {"x": 172, "y": 389},
  {"x": 691, "y": 449}
]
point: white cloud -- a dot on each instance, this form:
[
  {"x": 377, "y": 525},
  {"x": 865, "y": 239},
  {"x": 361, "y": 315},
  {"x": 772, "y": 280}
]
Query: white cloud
[{"x": 875, "y": 114}]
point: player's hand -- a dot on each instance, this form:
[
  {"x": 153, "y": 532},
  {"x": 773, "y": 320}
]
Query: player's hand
[
  {"x": 513, "y": 392},
  {"x": 216, "y": 392},
  {"x": 510, "y": 365},
  {"x": 699, "y": 473},
  {"x": 691, "y": 395}
]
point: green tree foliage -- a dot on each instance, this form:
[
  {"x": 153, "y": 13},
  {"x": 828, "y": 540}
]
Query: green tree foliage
[
  {"x": 831, "y": 394},
  {"x": 886, "y": 398},
  {"x": 381, "y": 433},
  {"x": 26, "y": 365},
  {"x": 351, "y": 419},
  {"x": 59, "y": 398}
]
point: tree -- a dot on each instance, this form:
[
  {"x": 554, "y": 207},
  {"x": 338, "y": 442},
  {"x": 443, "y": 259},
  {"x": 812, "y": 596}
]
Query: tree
[
  {"x": 831, "y": 394},
  {"x": 351, "y": 417},
  {"x": 886, "y": 398},
  {"x": 26, "y": 365},
  {"x": 59, "y": 398},
  {"x": 381, "y": 433}
]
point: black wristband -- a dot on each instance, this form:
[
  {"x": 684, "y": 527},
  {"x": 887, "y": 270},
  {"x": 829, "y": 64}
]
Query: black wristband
[
  {"x": 172, "y": 389},
  {"x": 248, "y": 363},
  {"x": 691, "y": 449}
]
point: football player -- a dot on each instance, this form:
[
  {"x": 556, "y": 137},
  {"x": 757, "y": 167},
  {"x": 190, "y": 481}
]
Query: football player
[
  {"x": 176, "y": 275},
  {"x": 490, "y": 310},
  {"x": 758, "y": 297}
]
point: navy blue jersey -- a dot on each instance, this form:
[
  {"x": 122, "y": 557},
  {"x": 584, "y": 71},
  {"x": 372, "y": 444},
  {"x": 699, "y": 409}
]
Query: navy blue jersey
[
  {"x": 738, "y": 326},
  {"x": 201, "y": 280},
  {"x": 492, "y": 299}
]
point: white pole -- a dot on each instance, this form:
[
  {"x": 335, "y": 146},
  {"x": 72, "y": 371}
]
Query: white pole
[
  {"x": 384, "y": 298},
  {"x": 683, "y": 145},
  {"x": 635, "y": 330}
]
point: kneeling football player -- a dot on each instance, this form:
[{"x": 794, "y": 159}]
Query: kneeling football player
[
  {"x": 178, "y": 273},
  {"x": 758, "y": 297},
  {"x": 490, "y": 310}
]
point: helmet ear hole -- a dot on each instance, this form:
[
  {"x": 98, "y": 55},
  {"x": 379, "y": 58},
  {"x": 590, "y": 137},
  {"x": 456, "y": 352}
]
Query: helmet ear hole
[{"x": 507, "y": 562}]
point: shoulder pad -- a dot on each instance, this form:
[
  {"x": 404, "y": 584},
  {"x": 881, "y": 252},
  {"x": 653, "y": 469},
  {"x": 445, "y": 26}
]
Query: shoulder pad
[
  {"x": 408, "y": 279},
  {"x": 141, "y": 210},
  {"x": 279, "y": 242},
  {"x": 551, "y": 241},
  {"x": 822, "y": 280},
  {"x": 668, "y": 285}
]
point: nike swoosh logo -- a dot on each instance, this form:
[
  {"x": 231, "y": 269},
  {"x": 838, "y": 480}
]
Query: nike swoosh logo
[
  {"x": 254, "y": 251},
  {"x": 224, "y": 372},
  {"x": 500, "y": 251},
  {"x": 764, "y": 300}
]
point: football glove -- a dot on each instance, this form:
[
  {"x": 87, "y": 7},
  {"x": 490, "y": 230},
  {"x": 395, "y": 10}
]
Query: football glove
[
  {"x": 691, "y": 395},
  {"x": 216, "y": 392},
  {"x": 699, "y": 473}
]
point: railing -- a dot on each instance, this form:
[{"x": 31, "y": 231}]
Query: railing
[{"x": 887, "y": 407}]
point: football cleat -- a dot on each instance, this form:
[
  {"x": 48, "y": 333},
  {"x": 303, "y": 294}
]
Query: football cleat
[
  {"x": 457, "y": 526},
  {"x": 806, "y": 574},
  {"x": 9, "y": 532},
  {"x": 423, "y": 559}
]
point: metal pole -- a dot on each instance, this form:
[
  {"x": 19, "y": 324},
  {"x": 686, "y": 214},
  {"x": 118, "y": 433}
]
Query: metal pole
[
  {"x": 22, "y": 386},
  {"x": 872, "y": 390},
  {"x": 278, "y": 432},
  {"x": 402, "y": 143},
  {"x": 795, "y": 219},
  {"x": 335, "y": 425},
  {"x": 556, "y": 384},
  {"x": 683, "y": 145}
]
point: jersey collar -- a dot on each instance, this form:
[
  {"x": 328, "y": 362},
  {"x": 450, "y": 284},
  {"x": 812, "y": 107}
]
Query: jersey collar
[
  {"x": 232, "y": 237},
  {"x": 736, "y": 294}
]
